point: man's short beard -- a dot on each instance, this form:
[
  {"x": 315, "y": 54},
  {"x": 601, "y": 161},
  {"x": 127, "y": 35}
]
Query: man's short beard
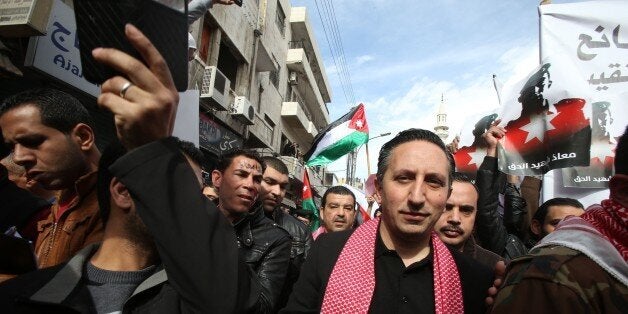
[{"x": 139, "y": 234}]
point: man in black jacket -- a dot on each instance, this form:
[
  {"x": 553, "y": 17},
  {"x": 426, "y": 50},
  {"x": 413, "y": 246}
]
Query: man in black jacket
[
  {"x": 275, "y": 181},
  {"x": 199, "y": 269},
  {"x": 491, "y": 230},
  {"x": 264, "y": 246}
]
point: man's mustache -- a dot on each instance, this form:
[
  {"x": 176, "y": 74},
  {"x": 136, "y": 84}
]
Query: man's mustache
[{"x": 452, "y": 228}]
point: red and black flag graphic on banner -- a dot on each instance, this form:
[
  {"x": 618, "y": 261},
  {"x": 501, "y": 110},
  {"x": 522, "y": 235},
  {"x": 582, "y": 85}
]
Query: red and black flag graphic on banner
[
  {"x": 469, "y": 158},
  {"x": 545, "y": 135}
]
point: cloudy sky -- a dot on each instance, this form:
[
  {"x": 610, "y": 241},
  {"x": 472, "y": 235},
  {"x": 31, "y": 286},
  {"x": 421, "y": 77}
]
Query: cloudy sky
[{"x": 402, "y": 55}]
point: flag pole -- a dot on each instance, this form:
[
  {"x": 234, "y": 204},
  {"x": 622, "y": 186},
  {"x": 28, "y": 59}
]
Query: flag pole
[
  {"x": 368, "y": 160},
  {"x": 368, "y": 156},
  {"x": 497, "y": 90}
]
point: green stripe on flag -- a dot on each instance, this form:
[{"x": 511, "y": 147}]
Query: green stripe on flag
[
  {"x": 339, "y": 149},
  {"x": 308, "y": 205}
]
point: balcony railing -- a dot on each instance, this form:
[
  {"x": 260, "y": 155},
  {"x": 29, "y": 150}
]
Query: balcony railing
[
  {"x": 295, "y": 166},
  {"x": 265, "y": 131},
  {"x": 296, "y": 44},
  {"x": 296, "y": 97},
  {"x": 300, "y": 44}
]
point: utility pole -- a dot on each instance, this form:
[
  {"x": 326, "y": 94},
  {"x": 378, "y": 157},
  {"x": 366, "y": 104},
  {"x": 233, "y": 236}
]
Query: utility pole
[
  {"x": 351, "y": 165},
  {"x": 352, "y": 160}
]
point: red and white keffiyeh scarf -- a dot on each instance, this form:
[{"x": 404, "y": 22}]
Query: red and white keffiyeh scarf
[
  {"x": 610, "y": 220},
  {"x": 578, "y": 234},
  {"x": 611, "y": 217},
  {"x": 318, "y": 232},
  {"x": 354, "y": 275}
]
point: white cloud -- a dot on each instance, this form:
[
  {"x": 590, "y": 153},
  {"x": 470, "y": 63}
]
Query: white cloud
[
  {"x": 363, "y": 59},
  {"x": 330, "y": 69}
]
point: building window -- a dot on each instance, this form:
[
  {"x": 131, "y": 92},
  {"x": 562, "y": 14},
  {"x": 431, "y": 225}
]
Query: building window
[
  {"x": 270, "y": 129},
  {"x": 274, "y": 77},
  {"x": 260, "y": 91},
  {"x": 203, "y": 48},
  {"x": 280, "y": 19},
  {"x": 228, "y": 64},
  {"x": 287, "y": 147}
]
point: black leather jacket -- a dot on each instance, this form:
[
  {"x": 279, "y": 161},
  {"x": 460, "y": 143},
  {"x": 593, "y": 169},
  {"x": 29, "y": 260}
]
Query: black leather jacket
[
  {"x": 301, "y": 243},
  {"x": 301, "y": 235},
  {"x": 265, "y": 247},
  {"x": 515, "y": 210},
  {"x": 490, "y": 229}
]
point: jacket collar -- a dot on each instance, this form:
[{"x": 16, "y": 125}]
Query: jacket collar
[
  {"x": 156, "y": 279},
  {"x": 83, "y": 186},
  {"x": 278, "y": 215},
  {"x": 469, "y": 247},
  {"x": 69, "y": 276},
  {"x": 243, "y": 228}
]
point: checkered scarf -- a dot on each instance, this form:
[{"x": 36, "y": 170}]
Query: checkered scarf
[
  {"x": 354, "y": 275},
  {"x": 610, "y": 219}
]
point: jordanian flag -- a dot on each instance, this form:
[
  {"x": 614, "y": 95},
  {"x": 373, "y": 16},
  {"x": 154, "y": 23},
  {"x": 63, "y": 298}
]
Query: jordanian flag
[
  {"x": 308, "y": 202},
  {"x": 339, "y": 138}
]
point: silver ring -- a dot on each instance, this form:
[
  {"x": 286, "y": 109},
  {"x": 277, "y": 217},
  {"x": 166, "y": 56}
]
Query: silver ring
[{"x": 125, "y": 87}]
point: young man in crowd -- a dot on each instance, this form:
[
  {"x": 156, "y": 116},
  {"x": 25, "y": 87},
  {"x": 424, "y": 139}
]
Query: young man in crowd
[
  {"x": 210, "y": 192},
  {"x": 337, "y": 211},
  {"x": 456, "y": 224},
  {"x": 275, "y": 181},
  {"x": 264, "y": 246},
  {"x": 25, "y": 202},
  {"x": 396, "y": 263},
  {"x": 551, "y": 213},
  {"x": 51, "y": 135},
  {"x": 17, "y": 174}
]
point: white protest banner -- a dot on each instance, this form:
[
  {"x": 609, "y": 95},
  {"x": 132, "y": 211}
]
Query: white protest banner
[{"x": 591, "y": 37}]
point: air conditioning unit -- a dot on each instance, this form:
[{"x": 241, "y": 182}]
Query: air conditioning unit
[
  {"x": 214, "y": 90},
  {"x": 243, "y": 110}
]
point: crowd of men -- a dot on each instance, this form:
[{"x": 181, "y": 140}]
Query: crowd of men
[{"x": 143, "y": 228}]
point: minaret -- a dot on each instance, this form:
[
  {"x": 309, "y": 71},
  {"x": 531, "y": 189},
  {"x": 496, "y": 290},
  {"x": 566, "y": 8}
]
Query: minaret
[{"x": 441, "y": 129}]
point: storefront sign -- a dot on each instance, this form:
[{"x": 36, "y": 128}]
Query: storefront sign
[{"x": 216, "y": 138}]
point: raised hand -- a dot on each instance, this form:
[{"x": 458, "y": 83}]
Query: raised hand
[
  {"x": 492, "y": 137},
  {"x": 143, "y": 101}
]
